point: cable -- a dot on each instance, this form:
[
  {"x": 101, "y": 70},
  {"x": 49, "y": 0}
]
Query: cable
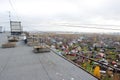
[
  {"x": 4, "y": 22},
  {"x": 10, "y": 2},
  {"x": 99, "y": 25},
  {"x": 90, "y": 27}
]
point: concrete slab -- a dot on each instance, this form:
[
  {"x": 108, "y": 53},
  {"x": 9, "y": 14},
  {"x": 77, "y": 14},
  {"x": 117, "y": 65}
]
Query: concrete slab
[{"x": 20, "y": 63}]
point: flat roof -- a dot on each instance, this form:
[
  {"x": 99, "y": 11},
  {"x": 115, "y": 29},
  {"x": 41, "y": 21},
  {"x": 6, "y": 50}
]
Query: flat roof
[{"x": 20, "y": 63}]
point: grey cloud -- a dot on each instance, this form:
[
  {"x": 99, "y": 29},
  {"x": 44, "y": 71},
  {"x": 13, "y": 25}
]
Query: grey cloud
[{"x": 107, "y": 10}]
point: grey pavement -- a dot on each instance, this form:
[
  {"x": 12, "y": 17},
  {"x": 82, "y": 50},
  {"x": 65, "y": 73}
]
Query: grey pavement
[{"x": 20, "y": 63}]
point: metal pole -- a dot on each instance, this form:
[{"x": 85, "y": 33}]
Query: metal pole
[{"x": 10, "y": 21}]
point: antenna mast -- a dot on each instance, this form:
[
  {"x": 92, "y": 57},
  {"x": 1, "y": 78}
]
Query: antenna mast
[
  {"x": 10, "y": 20},
  {"x": 9, "y": 16}
]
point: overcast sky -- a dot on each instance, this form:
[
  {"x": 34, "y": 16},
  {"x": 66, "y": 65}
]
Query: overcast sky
[{"x": 52, "y": 15}]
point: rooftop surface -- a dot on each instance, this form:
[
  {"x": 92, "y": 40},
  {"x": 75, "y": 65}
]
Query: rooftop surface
[{"x": 20, "y": 63}]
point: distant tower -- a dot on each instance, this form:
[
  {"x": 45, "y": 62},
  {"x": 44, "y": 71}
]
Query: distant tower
[
  {"x": 1, "y": 29},
  {"x": 4, "y": 30}
]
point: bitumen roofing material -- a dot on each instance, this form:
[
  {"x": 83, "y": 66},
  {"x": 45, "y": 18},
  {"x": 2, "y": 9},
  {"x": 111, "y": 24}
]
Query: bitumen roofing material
[{"x": 20, "y": 63}]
